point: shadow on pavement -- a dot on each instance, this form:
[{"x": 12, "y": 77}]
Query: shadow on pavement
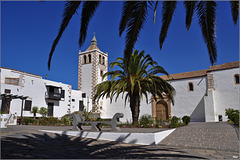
[{"x": 54, "y": 146}]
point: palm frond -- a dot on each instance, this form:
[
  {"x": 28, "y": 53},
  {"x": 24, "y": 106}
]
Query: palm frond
[
  {"x": 126, "y": 14},
  {"x": 168, "y": 9},
  {"x": 155, "y": 11},
  {"x": 190, "y": 6},
  {"x": 206, "y": 11},
  {"x": 70, "y": 9},
  {"x": 135, "y": 24},
  {"x": 89, "y": 8},
  {"x": 235, "y": 10}
]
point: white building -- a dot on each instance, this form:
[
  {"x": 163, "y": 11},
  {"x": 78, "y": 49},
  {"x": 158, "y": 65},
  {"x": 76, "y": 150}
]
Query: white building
[
  {"x": 57, "y": 97},
  {"x": 203, "y": 95}
]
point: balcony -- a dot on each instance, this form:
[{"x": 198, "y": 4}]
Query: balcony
[{"x": 53, "y": 96}]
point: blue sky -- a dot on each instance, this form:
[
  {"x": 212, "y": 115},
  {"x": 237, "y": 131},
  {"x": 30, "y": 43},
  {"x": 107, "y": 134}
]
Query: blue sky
[{"x": 29, "y": 28}]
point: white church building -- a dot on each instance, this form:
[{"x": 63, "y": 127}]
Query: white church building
[{"x": 203, "y": 95}]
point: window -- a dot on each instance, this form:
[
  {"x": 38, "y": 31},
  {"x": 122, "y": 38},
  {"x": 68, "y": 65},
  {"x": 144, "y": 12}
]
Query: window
[
  {"x": 81, "y": 106},
  {"x": 103, "y": 61},
  {"x": 190, "y": 86},
  {"x": 13, "y": 81},
  {"x": 7, "y": 91},
  {"x": 62, "y": 93},
  {"x": 28, "y": 105},
  {"x": 84, "y": 59},
  {"x": 89, "y": 58},
  {"x": 101, "y": 73},
  {"x": 100, "y": 57},
  {"x": 83, "y": 95},
  {"x": 236, "y": 78},
  {"x": 51, "y": 89},
  {"x": 73, "y": 100}
]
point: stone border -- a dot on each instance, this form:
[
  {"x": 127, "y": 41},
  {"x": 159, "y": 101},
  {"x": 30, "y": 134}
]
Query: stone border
[{"x": 126, "y": 137}]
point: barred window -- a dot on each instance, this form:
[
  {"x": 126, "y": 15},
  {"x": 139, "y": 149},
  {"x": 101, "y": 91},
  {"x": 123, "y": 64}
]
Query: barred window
[
  {"x": 28, "y": 105},
  {"x": 13, "y": 81}
]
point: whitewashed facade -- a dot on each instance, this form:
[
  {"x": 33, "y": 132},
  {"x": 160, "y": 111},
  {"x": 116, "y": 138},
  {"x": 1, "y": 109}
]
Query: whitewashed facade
[
  {"x": 57, "y": 97},
  {"x": 203, "y": 95}
]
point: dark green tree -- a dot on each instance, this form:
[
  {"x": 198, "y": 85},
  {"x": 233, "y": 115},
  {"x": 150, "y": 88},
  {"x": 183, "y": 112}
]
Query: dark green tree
[{"x": 134, "y": 81}]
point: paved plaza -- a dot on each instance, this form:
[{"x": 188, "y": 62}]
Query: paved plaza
[{"x": 195, "y": 141}]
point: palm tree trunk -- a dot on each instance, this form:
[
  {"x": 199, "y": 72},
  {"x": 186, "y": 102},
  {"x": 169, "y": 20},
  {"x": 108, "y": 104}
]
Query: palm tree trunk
[{"x": 135, "y": 107}]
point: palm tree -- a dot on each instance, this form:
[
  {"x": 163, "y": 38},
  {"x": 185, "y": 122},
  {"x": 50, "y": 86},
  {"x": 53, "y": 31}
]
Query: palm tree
[
  {"x": 134, "y": 81},
  {"x": 134, "y": 15},
  {"x": 34, "y": 111}
]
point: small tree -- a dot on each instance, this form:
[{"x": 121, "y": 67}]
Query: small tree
[
  {"x": 34, "y": 111},
  {"x": 43, "y": 111}
]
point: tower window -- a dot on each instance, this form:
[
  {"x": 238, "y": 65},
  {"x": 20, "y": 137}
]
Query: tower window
[
  {"x": 190, "y": 86},
  {"x": 89, "y": 58},
  {"x": 103, "y": 61},
  {"x": 236, "y": 78},
  {"x": 101, "y": 73},
  {"x": 84, "y": 59},
  {"x": 100, "y": 57}
]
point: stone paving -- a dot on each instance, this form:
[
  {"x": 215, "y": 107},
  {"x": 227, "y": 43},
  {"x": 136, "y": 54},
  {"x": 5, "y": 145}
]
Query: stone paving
[
  {"x": 209, "y": 135},
  {"x": 26, "y": 142}
]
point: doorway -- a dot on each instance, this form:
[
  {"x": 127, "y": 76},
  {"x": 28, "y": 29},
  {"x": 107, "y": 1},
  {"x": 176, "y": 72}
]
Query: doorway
[
  {"x": 162, "y": 110},
  {"x": 50, "y": 109}
]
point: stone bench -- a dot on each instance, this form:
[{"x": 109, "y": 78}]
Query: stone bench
[{"x": 95, "y": 125}]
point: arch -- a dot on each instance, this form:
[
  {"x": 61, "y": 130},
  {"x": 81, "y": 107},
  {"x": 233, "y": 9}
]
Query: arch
[
  {"x": 84, "y": 59},
  {"x": 236, "y": 79},
  {"x": 162, "y": 110},
  {"x": 190, "y": 87},
  {"x": 89, "y": 58}
]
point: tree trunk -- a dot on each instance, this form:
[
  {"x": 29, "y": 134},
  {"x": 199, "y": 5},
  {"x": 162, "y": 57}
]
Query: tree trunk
[{"x": 135, "y": 107}]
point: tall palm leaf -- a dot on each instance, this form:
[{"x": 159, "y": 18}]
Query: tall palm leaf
[
  {"x": 190, "y": 6},
  {"x": 207, "y": 20},
  {"x": 70, "y": 9},
  {"x": 235, "y": 10},
  {"x": 134, "y": 22},
  {"x": 168, "y": 9},
  {"x": 134, "y": 80},
  {"x": 89, "y": 8}
]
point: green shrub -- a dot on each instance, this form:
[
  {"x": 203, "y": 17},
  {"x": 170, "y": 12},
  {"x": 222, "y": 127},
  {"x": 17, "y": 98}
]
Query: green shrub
[
  {"x": 34, "y": 111},
  {"x": 175, "y": 122},
  {"x": 186, "y": 120},
  {"x": 236, "y": 119},
  {"x": 233, "y": 115},
  {"x": 28, "y": 120},
  {"x": 43, "y": 111},
  {"x": 66, "y": 121},
  {"x": 146, "y": 121}
]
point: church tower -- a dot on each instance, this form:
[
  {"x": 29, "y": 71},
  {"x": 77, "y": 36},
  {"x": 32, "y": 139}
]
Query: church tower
[{"x": 93, "y": 63}]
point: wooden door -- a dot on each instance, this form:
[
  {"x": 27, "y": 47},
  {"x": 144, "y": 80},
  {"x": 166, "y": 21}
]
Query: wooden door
[{"x": 162, "y": 111}]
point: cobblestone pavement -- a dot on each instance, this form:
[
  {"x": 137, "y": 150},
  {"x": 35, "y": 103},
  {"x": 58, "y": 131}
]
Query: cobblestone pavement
[
  {"x": 204, "y": 135},
  {"x": 26, "y": 142}
]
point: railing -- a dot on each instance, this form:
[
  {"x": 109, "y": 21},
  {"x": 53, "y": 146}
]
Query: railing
[{"x": 55, "y": 96}]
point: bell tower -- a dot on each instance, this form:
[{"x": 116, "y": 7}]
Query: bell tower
[{"x": 93, "y": 63}]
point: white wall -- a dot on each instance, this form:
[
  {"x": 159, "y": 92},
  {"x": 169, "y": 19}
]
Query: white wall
[
  {"x": 190, "y": 103},
  {"x": 119, "y": 106},
  {"x": 35, "y": 88},
  {"x": 226, "y": 93}
]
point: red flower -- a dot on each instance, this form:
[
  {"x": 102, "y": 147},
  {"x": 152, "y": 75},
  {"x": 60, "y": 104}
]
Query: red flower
[{"x": 46, "y": 121}]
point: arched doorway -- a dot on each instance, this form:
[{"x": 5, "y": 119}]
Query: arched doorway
[{"x": 162, "y": 110}]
